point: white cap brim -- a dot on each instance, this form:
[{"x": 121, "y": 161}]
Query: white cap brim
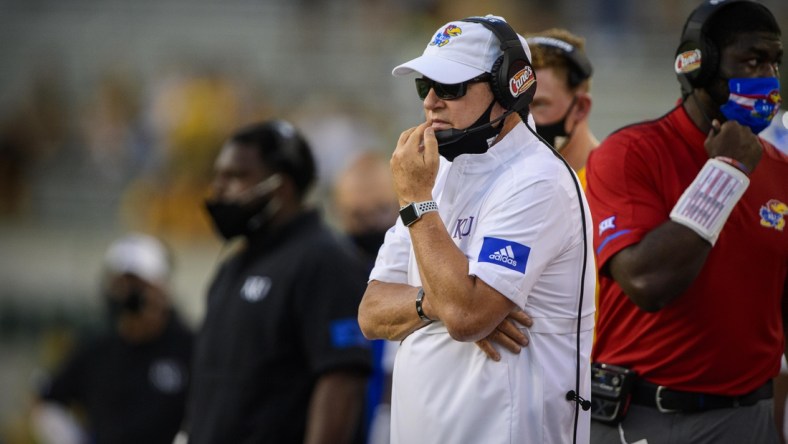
[{"x": 439, "y": 69}]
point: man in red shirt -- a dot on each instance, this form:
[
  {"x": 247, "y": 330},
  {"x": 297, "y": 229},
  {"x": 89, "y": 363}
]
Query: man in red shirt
[{"x": 691, "y": 243}]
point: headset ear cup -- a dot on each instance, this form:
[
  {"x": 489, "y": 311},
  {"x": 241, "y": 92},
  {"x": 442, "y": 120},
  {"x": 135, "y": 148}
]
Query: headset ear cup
[
  {"x": 689, "y": 79},
  {"x": 694, "y": 37},
  {"x": 708, "y": 64},
  {"x": 499, "y": 84},
  {"x": 513, "y": 80}
]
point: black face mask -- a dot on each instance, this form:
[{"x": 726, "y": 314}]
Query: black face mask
[
  {"x": 233, "y": 219},
  {"x": 452, "y": 142},
  {"x": 369, "y": 242},
  {"x": 131, "y": 303},
  {"x": 551, "y": 132}
]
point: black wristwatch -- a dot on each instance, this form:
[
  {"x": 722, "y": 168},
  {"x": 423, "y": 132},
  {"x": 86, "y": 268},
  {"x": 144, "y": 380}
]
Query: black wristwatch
[{"x": 413, "y": 211}]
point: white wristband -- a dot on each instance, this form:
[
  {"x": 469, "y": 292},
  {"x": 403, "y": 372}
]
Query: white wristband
[{"x": 708, "y": 201}]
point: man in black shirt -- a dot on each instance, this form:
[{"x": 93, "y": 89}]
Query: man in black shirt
[
  {"x": 131, "y": 383},
  {"x": 280, "y": 357}
]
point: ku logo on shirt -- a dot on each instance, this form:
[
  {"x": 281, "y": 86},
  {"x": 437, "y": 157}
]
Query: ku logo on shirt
[
  {"x": 773, "y": 214},
  {"x": 505, "y": 253}
]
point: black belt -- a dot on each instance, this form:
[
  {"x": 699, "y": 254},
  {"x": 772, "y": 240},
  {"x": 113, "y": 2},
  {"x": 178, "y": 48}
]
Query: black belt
[{"x": 669, "y": 401}]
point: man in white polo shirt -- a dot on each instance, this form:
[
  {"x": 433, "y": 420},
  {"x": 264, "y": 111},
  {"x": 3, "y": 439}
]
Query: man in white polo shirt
[{"x": 493, "y": 223}]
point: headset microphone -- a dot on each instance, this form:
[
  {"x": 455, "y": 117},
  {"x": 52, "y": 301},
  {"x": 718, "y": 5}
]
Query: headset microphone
[{"x": 453, "y": 135}]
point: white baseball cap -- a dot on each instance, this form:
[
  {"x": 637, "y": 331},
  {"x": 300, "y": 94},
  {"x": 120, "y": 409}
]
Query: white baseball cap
[
  {"x": 141, "y": 255},
  {"x": 459, "y": 51}
]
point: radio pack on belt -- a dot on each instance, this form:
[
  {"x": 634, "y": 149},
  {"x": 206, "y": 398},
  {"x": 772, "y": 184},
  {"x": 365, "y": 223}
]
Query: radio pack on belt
[{"x": 611, "y": 391}]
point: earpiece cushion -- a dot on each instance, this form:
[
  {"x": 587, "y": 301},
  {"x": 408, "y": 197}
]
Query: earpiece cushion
[{"x": 499, "y": 84}]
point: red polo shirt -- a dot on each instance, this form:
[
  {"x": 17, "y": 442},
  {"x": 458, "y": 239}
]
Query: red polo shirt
[{"x": 724, "y": 335}]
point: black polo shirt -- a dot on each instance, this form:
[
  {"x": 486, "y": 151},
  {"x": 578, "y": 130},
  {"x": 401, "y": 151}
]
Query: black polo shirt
[
  {"x": 280, "y": 313},
  {"x": 129, "y": 393}
]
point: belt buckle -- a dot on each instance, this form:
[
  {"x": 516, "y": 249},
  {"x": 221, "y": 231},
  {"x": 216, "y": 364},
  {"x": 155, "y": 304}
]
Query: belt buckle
[{"x": 658, "y": 399}]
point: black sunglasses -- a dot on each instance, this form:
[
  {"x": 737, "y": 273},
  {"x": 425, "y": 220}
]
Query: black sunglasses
[{"x": 446, "y": 91}]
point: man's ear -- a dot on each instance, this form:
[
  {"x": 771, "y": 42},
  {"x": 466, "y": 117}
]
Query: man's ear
[
  {"x": 287, "y": 190},
  {"x": 582, "y": 106}
]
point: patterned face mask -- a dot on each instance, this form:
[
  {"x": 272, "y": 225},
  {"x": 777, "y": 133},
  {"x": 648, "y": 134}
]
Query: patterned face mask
[{"x": 753, "y": 102}]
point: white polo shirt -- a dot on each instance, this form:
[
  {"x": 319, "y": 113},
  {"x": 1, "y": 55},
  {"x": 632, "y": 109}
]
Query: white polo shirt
[{"x": 515, "y": 213}]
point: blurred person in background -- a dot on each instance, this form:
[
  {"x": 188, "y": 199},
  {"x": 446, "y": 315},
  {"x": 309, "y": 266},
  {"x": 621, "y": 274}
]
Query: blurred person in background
[
  {"x": 366, "y": 207},
  {"x": 365, "y": 203},
  {"x": 692, "y": 246},
  {"x": 562, "y": 102},
  {"x": 130, "y": 385},
  {"x": 280, "y": 357}
]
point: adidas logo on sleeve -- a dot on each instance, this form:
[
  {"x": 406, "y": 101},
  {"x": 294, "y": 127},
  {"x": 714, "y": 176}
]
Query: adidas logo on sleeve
[{"x": 504, "y": 253}]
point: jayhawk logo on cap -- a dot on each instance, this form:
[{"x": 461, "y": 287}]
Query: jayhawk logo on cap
[
  {"x": 443, "y": 37},
  {"x": 773, "y": 214}
]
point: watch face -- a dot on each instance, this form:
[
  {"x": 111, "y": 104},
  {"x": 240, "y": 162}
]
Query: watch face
[{"x": 408, "y": 214}]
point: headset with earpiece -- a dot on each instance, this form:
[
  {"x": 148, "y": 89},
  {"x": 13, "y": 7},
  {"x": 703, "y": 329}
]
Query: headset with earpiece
[
  {"x": 697, "y": 56},
  {"x": 290, "y": 153},
  {"x": 580, "y": 67},
  {"x": 513, "y": 81},
  {"x": 286, "y": 149}
]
